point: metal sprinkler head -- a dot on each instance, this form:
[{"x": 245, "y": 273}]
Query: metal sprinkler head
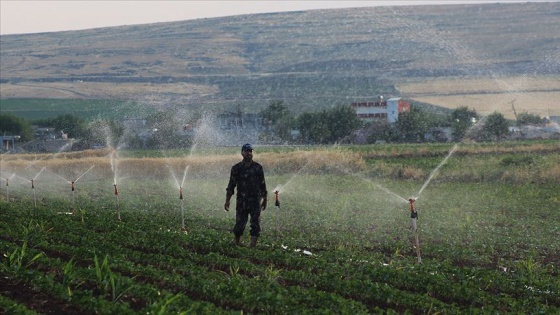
[
  {"x": 72, "y": 185},
  {"x": 276, "y": 198},
  {"x": 181, "y": 193},
  {"x": 116, "y": 190},
  {"x": 413, "y": 213},
  {"x": 32, "y": 183}
]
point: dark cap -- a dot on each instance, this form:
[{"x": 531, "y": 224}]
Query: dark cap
[{"x": 247, "y": 146}]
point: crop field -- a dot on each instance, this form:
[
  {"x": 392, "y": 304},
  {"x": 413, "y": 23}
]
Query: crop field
[
  {"x": 30, "y": 108},
  {"x": 101, "y": 90},
  {"x": 106, "y": 232},
  {"x": 534, "y": 95}
]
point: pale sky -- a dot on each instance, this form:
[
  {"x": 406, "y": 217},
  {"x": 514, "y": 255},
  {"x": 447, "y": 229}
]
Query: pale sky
[{"x": 26, "y": 16}]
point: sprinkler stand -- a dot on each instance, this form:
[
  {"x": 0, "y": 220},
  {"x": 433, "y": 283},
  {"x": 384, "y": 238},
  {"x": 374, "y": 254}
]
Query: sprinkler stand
[
  {"x": 34, "y": 195},
  {"x": 117, "y": 198},
  {"x": 73, "y": 199},
  {"x": 7, "y": 189},
  {"x": 276, "y": 199},
  {"x": 414, "y": 218},
  {"x": 183, "y": 228}
]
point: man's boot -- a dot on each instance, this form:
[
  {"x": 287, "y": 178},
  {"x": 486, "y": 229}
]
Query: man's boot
[
  {"x": 253, "y": 241},
  {"x": 238, "y": 240}
]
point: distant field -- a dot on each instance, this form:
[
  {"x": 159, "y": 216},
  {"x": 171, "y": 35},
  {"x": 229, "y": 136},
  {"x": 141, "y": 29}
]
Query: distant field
[
  {"x": 528, "y": 94},
  {"x": 87, "y": 109},
  {"x": 535, "y": 95},
  {"x": 101, "y": 90}
]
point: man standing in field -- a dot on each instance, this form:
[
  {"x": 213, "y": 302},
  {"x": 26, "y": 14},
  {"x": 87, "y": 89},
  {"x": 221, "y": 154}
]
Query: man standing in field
[{"x": 248, "y": 177}]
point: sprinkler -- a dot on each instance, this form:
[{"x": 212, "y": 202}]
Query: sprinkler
[
  {"x": 34, "y": 195},
  {"x": 183, "y": 228},
  {"x": 414, "y": 218},
  {"x": 276, "y": 200},
  {"x": 8, "y": 186},
  {"x": 8, "y": 189},
  {"x": 117, "y": 198},
  {"x": 73, "y": 198},
  {"x": 413, "y": 213}
]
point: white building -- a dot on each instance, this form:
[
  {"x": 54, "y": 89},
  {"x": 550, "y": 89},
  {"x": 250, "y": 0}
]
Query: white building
[{"x": 382, "y": 110}]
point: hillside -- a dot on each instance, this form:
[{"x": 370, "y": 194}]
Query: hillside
[{"x": 309, "y": 59}]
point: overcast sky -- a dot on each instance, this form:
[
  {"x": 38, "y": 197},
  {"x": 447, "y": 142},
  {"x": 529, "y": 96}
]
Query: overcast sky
[{"x": 25, "y": 16}]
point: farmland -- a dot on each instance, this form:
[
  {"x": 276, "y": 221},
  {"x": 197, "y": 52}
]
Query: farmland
[
  {"x": 340, "y": 242},
  {"x": 534, "y": 95}
]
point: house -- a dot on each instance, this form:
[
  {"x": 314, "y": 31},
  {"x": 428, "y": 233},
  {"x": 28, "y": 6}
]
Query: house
[
  {"x": 8, "y": 142},
  {"x": 381, "y": 111},
  {"x": 238, "y": 127},
  {"x": 44, "y": 133}
]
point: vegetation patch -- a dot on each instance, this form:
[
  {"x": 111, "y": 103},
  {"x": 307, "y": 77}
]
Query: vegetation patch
[{"x": 341, "y": 239}]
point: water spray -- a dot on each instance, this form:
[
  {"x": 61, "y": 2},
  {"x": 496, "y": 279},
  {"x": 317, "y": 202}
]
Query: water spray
[
  {"x": 33, "y": 185},
  {"x": 435, "y": 171},
  {"x": 180, "y": 185},
  {"x": 414, "y": 218},
  {"x": 117, "y": 199}
]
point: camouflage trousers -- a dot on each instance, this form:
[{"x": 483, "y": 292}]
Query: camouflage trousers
[{"x": 245, "y": 208}]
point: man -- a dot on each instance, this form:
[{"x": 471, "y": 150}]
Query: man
[{"x": 248, "y": 177}]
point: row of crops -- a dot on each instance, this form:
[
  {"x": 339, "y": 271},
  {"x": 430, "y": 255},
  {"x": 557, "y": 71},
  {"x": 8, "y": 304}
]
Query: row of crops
[
  {"x": 93, "y": 263},
  {"x": 340, "y": 243}
]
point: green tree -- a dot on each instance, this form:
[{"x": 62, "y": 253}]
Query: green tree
[
  {"x": 313, "y": 128},
  {"x": 14, "y": 126},
  {"x": 524, "y": 119},
  {"x": 462, "y": 119},
  {"x": 165, "y": 125},
  {"x": 328, "y": 126},
  {"x": 275, "y": 111},
  {"x": 378, "y": 130},
  {"x": 342, "y": 121},
  {"x": 411, "y": 126},
  {"x": 104, "y": 132},
  {"x": 495, "y": 126},
  {"x": 74, "y": 126},
  {"x": 279, "y": 120}
]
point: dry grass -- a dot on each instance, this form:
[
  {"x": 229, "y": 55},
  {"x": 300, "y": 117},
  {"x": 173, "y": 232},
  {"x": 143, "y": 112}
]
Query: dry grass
[
  {"x": 484, "y": 164},
  {"x": 466, "y": 149},
  {"x": 71, "y": 165},
  {"x": 458, "y": 85},
  {"x": 102, "y": 90}
]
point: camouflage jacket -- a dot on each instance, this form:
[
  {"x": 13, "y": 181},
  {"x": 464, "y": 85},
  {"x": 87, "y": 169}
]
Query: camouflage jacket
[{"x": 249, "y": 181}]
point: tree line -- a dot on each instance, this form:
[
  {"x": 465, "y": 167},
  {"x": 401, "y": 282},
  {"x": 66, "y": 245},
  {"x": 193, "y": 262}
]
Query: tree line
[
  {"x": 341, "y": 124},
  {"x": 338, "y": 124}
]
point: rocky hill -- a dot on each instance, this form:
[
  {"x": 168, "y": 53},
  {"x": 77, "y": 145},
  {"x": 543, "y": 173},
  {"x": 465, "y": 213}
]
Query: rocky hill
[{"x": 309, "y": 59}]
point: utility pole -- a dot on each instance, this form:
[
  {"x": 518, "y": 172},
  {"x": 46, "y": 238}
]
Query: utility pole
[
  {"x": 513, "y": 108},
  {"x": 516, "y": 118}
]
